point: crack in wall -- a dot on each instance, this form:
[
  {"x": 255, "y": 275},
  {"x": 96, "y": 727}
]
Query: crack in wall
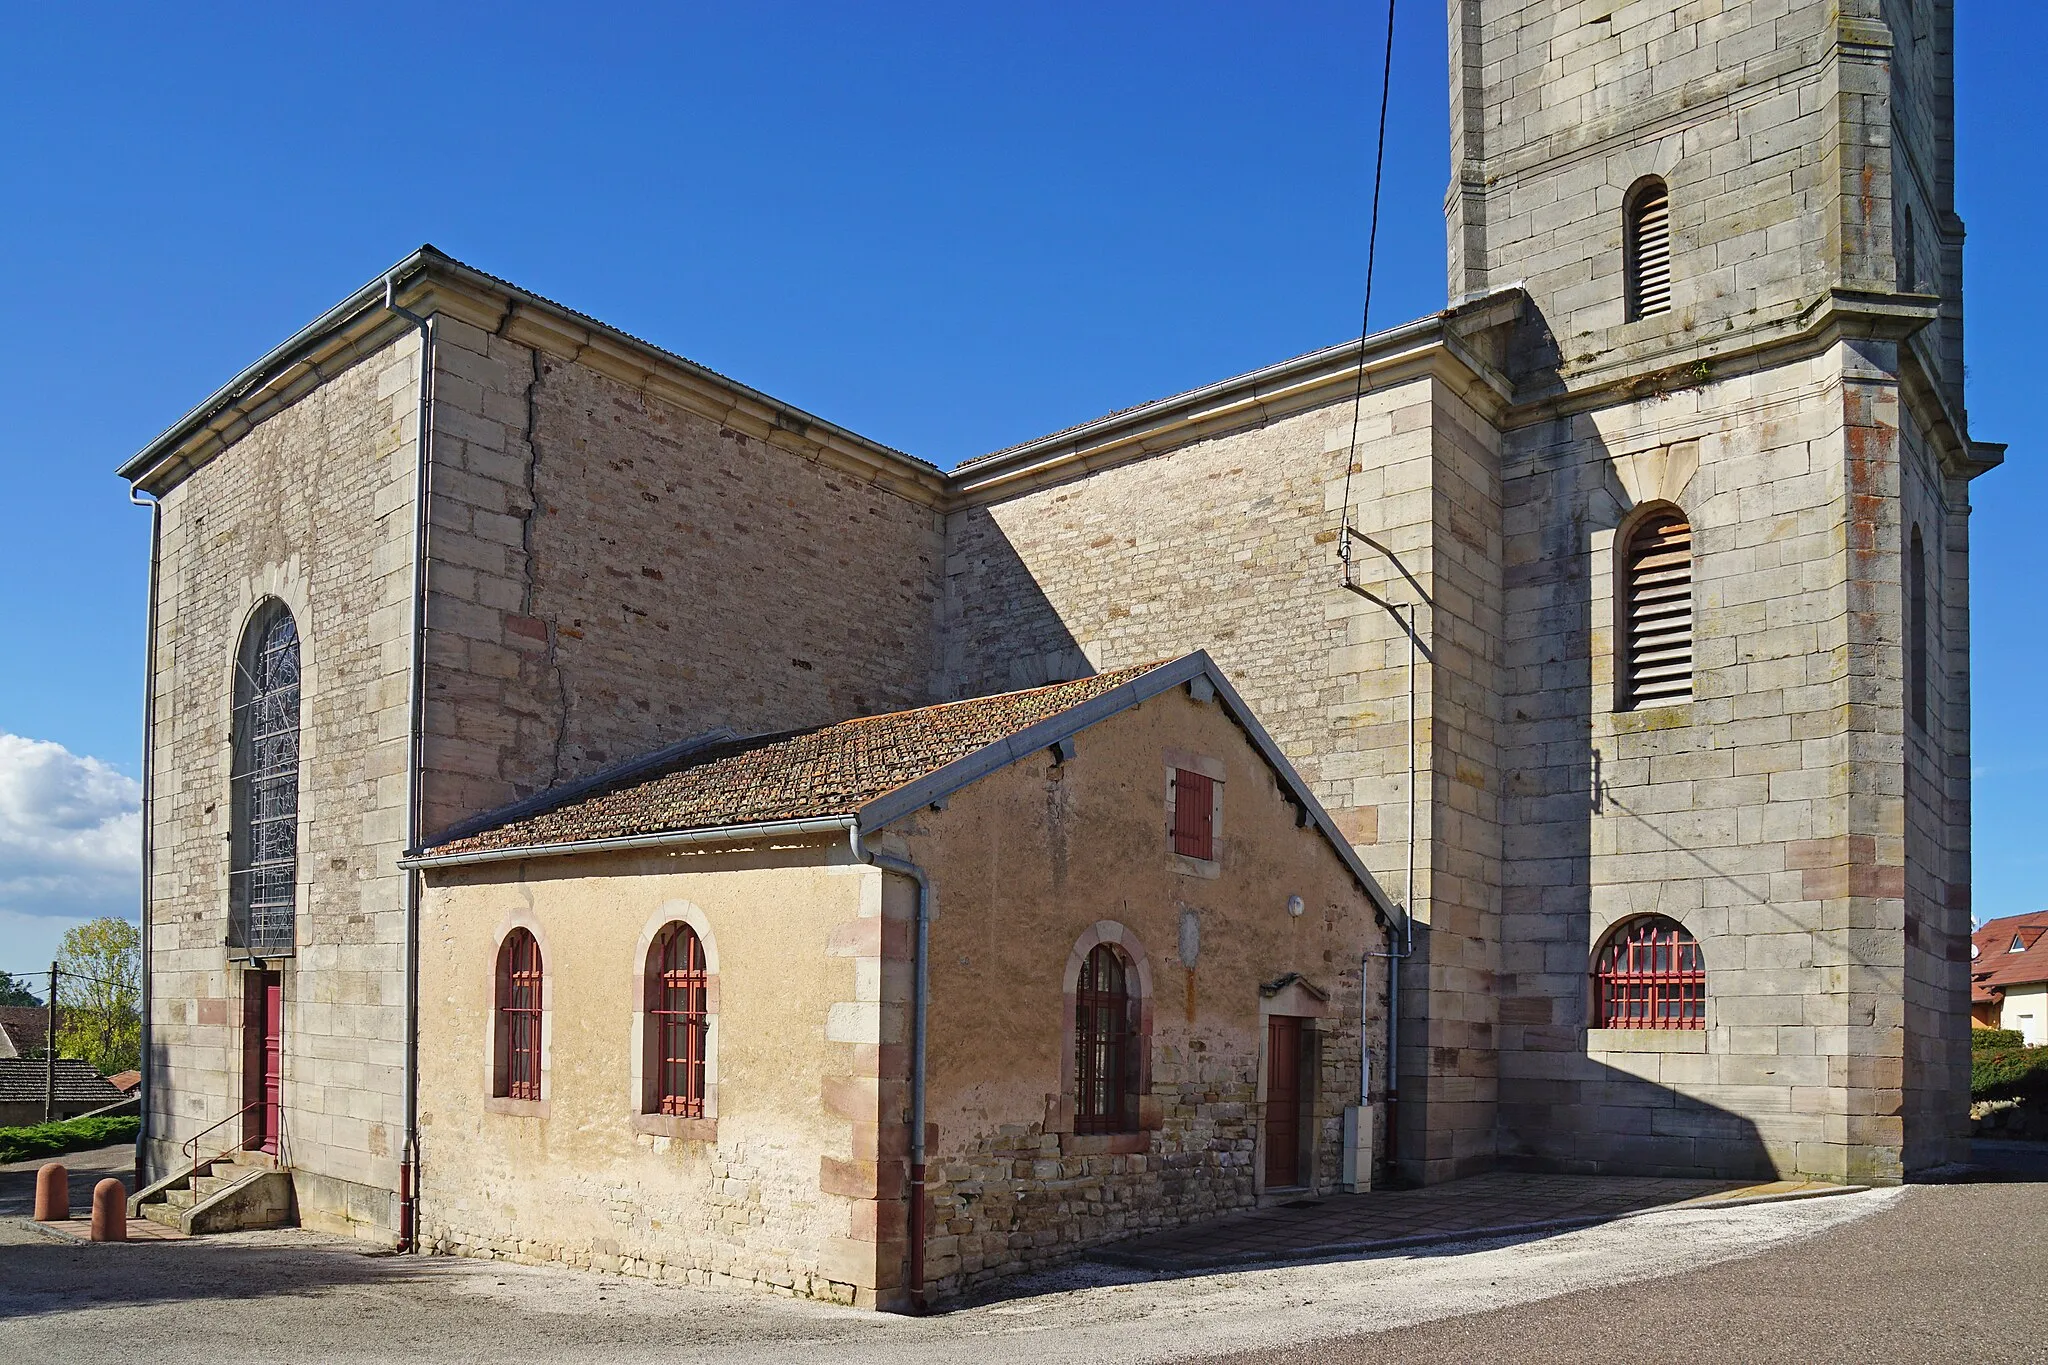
[{"x": 551, "y": 662}]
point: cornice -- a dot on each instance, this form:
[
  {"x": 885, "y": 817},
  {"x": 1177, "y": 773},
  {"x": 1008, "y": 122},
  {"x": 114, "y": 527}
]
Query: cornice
[{"x": 1436, "y": 347}]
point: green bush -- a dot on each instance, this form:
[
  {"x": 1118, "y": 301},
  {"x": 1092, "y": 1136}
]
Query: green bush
[
  {"x": 1995, "y": 1039},
  {"x": 2009, "y": 1073},
  {"x": 55, "y": 1139}
]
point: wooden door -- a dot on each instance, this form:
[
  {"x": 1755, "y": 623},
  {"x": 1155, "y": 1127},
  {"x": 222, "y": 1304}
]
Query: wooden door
[
  {"x": 1283, "y": 1102},
  {"x": 262, "y": 1060}
]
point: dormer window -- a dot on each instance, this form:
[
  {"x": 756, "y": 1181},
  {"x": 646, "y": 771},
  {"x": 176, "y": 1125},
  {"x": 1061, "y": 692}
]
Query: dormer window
[
  {"x": 1646, "y": 249},
  {"x": 2019, "y": 945}
]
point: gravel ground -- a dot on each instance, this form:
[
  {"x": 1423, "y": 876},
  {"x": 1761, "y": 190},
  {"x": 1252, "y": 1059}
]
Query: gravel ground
[{"x": 1893, "y": 1274}]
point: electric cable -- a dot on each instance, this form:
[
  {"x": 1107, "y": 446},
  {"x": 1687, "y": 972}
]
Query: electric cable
[{"x": 1372, "y": 240}]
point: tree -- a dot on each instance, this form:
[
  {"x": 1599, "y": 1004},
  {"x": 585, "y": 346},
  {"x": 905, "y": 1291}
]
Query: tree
[
  {"x": 98, "y": 994},
  {"x": 15, "y": 990}
]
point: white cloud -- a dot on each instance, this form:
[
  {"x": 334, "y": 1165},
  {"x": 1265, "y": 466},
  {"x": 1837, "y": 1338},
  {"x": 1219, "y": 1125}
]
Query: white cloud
[{"x": 70, "y": 833}]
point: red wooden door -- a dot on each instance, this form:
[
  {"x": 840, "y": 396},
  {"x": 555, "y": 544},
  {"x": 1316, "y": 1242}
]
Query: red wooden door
[
  {"x": 262, "y": 1060},
  {"x": 1283, "y": 1102}
]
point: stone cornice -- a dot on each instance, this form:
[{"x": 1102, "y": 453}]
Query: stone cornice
[
  {"x": 1439, "y": 346},
  {"x": 430, "y": 283}
]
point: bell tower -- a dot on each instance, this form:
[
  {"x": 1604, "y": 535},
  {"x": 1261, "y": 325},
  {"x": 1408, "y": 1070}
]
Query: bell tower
[{"x": 1733, "y": 226}]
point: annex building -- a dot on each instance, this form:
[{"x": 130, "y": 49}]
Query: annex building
[{"x": 1614, "y": 682}]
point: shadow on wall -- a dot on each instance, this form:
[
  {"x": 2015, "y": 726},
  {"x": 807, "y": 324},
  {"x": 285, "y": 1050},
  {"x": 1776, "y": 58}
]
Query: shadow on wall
[
  {"x": 1561, "y": 1108},
  {"x": 999, "y": 631}
]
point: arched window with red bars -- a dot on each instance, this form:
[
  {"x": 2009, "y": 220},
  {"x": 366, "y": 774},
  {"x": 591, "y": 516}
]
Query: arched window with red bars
[
  {"x": 678, "y": 1023},
  {"x": 1105, "y": 1043},
  {"x": 520, "y": 1000},
  {"x": 1650, "y": 973}
]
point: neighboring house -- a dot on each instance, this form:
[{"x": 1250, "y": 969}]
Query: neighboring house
[
  {"x": 2009, "y": 976},
  {"x": 22, "y": 1030},
  {"x": 80, "y": 1090},
  {"x": 127, "y": 1082},
  {"x": 673, "y": 1019},
  {"x": 1627, "y": 645}
]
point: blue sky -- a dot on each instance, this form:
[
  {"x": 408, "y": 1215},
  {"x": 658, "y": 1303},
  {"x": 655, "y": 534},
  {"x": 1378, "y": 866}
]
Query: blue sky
[{"x": 949, "y": 228}]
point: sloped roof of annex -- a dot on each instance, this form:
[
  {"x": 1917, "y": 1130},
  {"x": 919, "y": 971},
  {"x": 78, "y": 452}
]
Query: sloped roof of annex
[{"x": 857, "y": 775}]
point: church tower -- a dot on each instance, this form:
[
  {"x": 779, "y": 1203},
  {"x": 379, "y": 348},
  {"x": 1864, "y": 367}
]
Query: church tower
[{"x": 1735, "y": 492}]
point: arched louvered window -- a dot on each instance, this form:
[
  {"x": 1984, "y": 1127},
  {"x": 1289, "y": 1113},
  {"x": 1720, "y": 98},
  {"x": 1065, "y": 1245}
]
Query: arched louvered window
[
  {"x": 1105, "y": 1043},
  {"x": 1650, "y": 973},
  {"x": 1916, "y": 630},
  {"x": 519, "y": 1015},
  {"x": 1656, "y": 611},
  {"x": 1646, "y": 250},
  {"x": 1909, "y": 270},
  {"x": 263, "y": 857},
  {"x": 678, "y": 1022}
]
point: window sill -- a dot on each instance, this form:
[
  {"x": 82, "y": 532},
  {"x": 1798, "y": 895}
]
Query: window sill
[
  {"x": 519, "y": 1109},
  {"x": 1646, "y": 1040},
  {"x": 1196, "y": 867},
  {"x": 676, "y": 1126},
  {"x": 1105, "y": 1144}
]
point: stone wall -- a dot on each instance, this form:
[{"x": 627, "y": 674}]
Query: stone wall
[
  {"x": 313, "y": 507},
  {"x": 613, "y": 571},
  {"x": 1034, "y": 865}
]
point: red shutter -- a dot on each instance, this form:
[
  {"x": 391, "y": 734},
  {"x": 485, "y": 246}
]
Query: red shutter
[{"x": 1194, "y": 808}]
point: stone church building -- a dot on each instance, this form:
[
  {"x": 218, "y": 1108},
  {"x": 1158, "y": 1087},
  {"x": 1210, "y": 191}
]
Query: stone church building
[{"x": 1620, "y": 634}]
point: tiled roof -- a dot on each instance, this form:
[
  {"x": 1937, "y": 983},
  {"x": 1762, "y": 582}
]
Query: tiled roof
[
  {"x": 21, "y": 1079},
  {"x": 1997, "y": 966},
  {"x": 127, "y": 1082},
  {"x": 832, "y": 770},
  {"x": 25, "y": 1026}
]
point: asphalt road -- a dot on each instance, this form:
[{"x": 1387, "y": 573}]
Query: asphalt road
[{"x": 1925, "y": 1273}]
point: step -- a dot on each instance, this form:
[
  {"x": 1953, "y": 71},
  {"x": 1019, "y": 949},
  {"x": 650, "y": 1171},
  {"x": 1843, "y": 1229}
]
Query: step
[
  {"x": 204, "y": 1185},
  {"x": 161, "y": 1213},
  {"x": 180, "y": 1199}
]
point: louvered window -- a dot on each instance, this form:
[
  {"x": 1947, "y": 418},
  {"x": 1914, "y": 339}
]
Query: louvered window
[
  {"x": 1194, "y": 809},
  {"x": 1648, "y": 251},
  {"x": 1656, "y": 618}
]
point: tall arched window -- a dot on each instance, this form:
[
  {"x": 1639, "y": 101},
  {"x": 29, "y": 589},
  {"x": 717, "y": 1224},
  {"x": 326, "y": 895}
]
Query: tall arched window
[
  {"x": 1650, "y": 973},
  {"x": 1105, "y": 1046},
  {"x": 518, "y": 1024},
  {"x": 1916, "y": 630},
  {"x": 1646, "y": 249},
  {"x": 1655, "y": 597},
  {"x": 263, "y": 860},
  {"x": 678, "y": 1023}
]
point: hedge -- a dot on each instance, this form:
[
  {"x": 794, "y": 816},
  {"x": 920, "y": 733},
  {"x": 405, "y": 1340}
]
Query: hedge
[
  {"x": 2009, "y": 1073},
  {"x": 55, "y": 1139},
  {"x": 1995, "y": 1039}
]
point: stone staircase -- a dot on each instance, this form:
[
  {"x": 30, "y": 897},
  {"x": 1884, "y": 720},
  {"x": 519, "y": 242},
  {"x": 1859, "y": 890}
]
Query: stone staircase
[{"x": 232, "y": 1192}]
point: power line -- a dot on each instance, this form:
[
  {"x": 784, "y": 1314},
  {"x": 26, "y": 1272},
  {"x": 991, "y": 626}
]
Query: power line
[{"x": 1372, "y": 241}]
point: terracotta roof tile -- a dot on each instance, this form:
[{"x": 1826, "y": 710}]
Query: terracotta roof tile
[
  {"x": 1996, "y": 965},
  {"x": 800, "y": 774}
]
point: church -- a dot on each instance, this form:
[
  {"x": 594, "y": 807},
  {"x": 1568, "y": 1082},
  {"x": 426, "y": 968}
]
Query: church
[{"x": 1586, "y": 664}]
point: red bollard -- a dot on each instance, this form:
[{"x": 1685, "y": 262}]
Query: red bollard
[
  {"x": 110, "y": 1211},
  {"x": 53, "y": 1193}
]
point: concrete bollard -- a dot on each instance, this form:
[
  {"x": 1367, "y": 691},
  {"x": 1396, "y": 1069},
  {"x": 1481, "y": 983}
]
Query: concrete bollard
[
  {"x": 53, "y": 1193},
  {"x": 110, "y": 1211}
]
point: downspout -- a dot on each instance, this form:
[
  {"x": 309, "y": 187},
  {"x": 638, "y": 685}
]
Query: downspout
[
  {"x": 156, "y": 513},
  {"x": 409, "y": 1162},
  {"x": 1404, "y": 616},
  {"x": 919, "y": 1008}
]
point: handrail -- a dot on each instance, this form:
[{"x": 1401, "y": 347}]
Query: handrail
[{"x": 191, "y": 1146}]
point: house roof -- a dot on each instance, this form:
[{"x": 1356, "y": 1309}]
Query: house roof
[
  {"x": 25, "y": 1026},
  {"x": 22, "y": 1079},
  {"x": 127, "y": 1082},
  {"x": 1994, "y": 965},
  {"x": 858, "y": 774}
]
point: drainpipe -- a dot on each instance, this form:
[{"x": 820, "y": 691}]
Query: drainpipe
[
  {"x": 409, "y": 1163},
  {"x": 156, "y": 514},
  {"x": 920, "y": 1006},
  {"x": 1405, "y": 617}
]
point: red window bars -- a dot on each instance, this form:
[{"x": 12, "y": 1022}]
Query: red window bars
[
  {"x": 1194, "y": 811},
  {"x": 519, "y": 1003},
  {"x": 1105, "y": 1073},
  {"x": 679, "y": 1003},
  {"x": 1650, "y": 974}
]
